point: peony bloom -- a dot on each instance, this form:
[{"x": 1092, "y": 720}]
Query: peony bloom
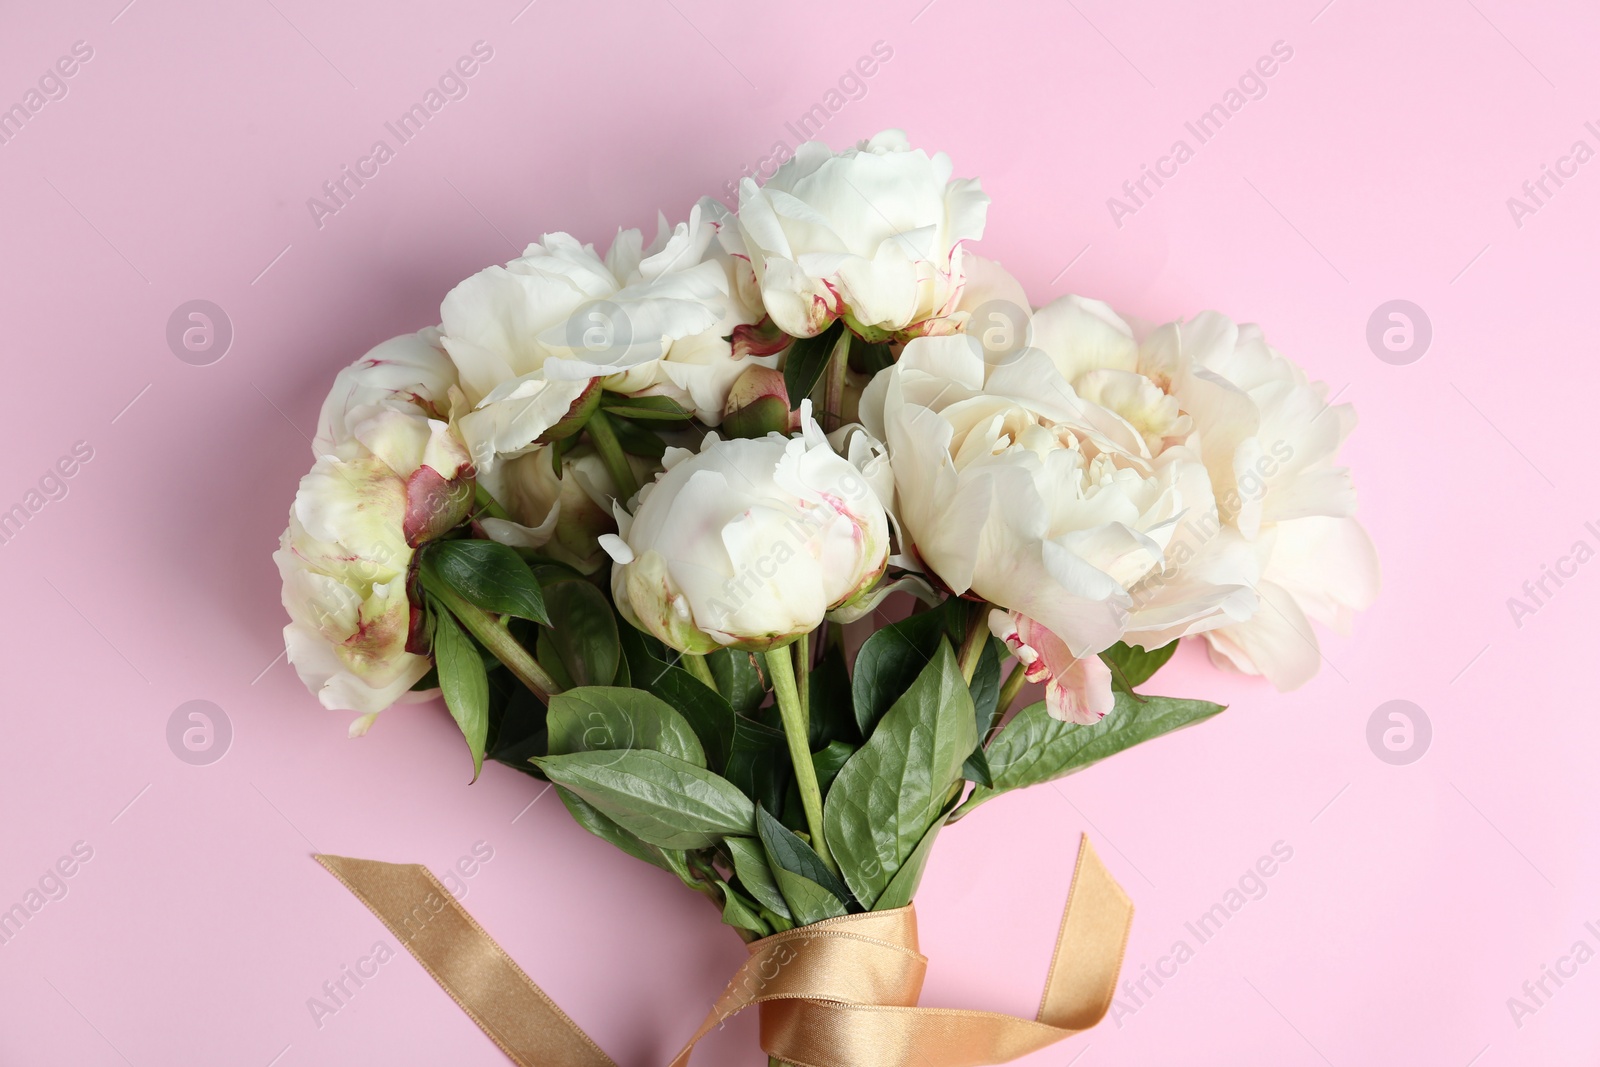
[
  {"x": 410, "y": 372},
  {"x": 562, "y": 516},
  {"x": 1270, "y": 438},
  {"x": 1208, "y": 571},
  {"x": 872, "y": 234},
  {"x": 748, "y": 542},
  {"x": 699, "y": 370},
  {"x": 531, "y": 339},
  {"x": 1010, "y": 485},
  {"x": 398, "y": 478}
]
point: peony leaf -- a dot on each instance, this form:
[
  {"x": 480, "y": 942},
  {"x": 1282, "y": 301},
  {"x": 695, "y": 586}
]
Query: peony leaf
[
  {"x": 897, "y": 786},
  {"x": 892, "y": 658},
  {"x": 601, "y": 718},
  {"x": 708, "y": 714},
  {"x": 740, "y": 678},
  {"x": 591, "y": 819},
  {"x": 788, "y": 853},
  {"x": 740, "y": 913},
  {"x": 654, "y": 408},
  {"x": 666, "y": 802},
  {"x": 487, "y": 575},
  {"x": 584, "y": 632},
  {"x": 808, "y": 901},
  {"x": 463, "y": 680},
  {"x": 750, "y": 864},
  {"x": 1132, "y": 666},
  {"x": 807, "y": 358},
  {"x": 985, "y": 687},
  {"x": 903, "y": 886},
  {"x": 1035, "y": 748}
]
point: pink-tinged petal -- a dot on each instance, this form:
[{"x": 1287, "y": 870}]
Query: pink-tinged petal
[
  {"x": 1082, "y": 694},
  {"x": 435, "y": 505},
  {"x": 1077, "y": 689},
  {"x": 759, "y": 339}
]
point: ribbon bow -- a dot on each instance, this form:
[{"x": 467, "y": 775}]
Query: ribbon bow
[{"x": 839, "y": 993}]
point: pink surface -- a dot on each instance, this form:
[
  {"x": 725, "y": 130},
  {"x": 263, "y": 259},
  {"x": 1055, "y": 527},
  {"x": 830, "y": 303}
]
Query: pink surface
[{"x": 1377, "y": 167}]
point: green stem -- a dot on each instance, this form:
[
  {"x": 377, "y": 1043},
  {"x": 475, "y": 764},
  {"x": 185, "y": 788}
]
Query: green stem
[
  {"x": 834, "y": 383},
  {"x": 697, "y": 666},
  {"x": 797, "y": 729},
  {"x": 977, "y": 637},
  {"x": 611, "y": 454},
  {"x": 802, "y": 674},
  {"x": 1009, "y": 690},
  {"x": 488, "y": 505},
  {"x": 497, "y": 639}
]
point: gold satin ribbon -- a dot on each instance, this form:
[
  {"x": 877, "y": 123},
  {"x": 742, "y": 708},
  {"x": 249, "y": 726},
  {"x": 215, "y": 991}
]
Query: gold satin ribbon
[{"x": 839, "y": 993}]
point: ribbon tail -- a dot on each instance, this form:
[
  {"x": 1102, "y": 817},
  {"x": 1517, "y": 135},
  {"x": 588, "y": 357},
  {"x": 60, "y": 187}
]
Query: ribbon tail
[{"x": 467, "y": 963}]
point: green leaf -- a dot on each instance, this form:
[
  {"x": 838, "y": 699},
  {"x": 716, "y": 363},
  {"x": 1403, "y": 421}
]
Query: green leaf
[
  {"x": 516, "y": 726},
  {"x": 584, "y": 632},
  {"x": 985, "y": 687},
  {"x": 739, "y": 679},
  {"x": 1035, "y": 748},
  {"x": 758, "y": 761},
  {"x": 591, "y": 819},
  {"x": 903, "y": 886},
  {"x": 602, "y": 718},
  {"x": 869, "y": 359},
  {"x": 464, "y": 682},
  {"x": 892, "y": 658},
  {"x": 807, "y": 358},
  {"x": 787, "y": 853},
  {"x": 893, "y": 789},
  {"x": 830, "y": 761},
  {"x": 832, "y": 709},
  {"x": 740, "y": 913},
  {"x": 487, "y": 575},
  {"x": 1132, "y": 666},
  {"x": 666, "y": 802},
  {"x": 638, "y": 440},
  {"x": 808, "y": 901},
  {"x": 544, "y": 650},
  {"x": 707, "y": 712},
  {"x": 750, "y": 864},
  {"x": 652, "y": 408}
]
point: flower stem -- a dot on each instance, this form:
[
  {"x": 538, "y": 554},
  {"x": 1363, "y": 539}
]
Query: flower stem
[
  {"x": 488, "y": 505},
  {"x": 797, "y": 729},
  {"x": 833, "y": 386},
  {"x": 802, "y": 674},
  {"x": 977, "y": 637},
  {"x": 697, "y": 666},
  {"x": 497, "y": 639},
  {"x": 611, "y": 454},
  {"x": 1009, "y": 690}
]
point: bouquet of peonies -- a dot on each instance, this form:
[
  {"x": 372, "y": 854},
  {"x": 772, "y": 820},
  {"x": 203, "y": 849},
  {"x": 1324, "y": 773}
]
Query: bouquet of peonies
[{"x": 636, "y": 518}]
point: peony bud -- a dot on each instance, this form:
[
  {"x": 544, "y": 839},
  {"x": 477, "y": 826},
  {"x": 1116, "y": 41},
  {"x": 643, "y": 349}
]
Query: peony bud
[
  {"x": 758, "y": 404},
  {"x": 748, "y": 543}
]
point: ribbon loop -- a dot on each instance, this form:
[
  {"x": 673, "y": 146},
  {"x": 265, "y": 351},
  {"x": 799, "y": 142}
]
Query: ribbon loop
[{"x": 839, "y": 993}]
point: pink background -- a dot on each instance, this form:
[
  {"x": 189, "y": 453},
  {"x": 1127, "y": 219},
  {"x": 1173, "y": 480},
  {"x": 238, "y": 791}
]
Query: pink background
[{"x": 1419, "y": 897}]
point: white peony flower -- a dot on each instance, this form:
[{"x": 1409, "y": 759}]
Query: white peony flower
[
  {"x": 699, "y": 370},
  {"x": 562, "y": 516},
  {"x": 872, "y": 234},
  {"x": 1270, "y": 438},
  {"x": 748, "y": 542},
  {"x": 1009, "y": 485},
  {"x": 1208, "y": 571},
  {"x": 531, "y": 338},
  {"x": 396, "y": 479},
  {"x": 410, "y": 372}
]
